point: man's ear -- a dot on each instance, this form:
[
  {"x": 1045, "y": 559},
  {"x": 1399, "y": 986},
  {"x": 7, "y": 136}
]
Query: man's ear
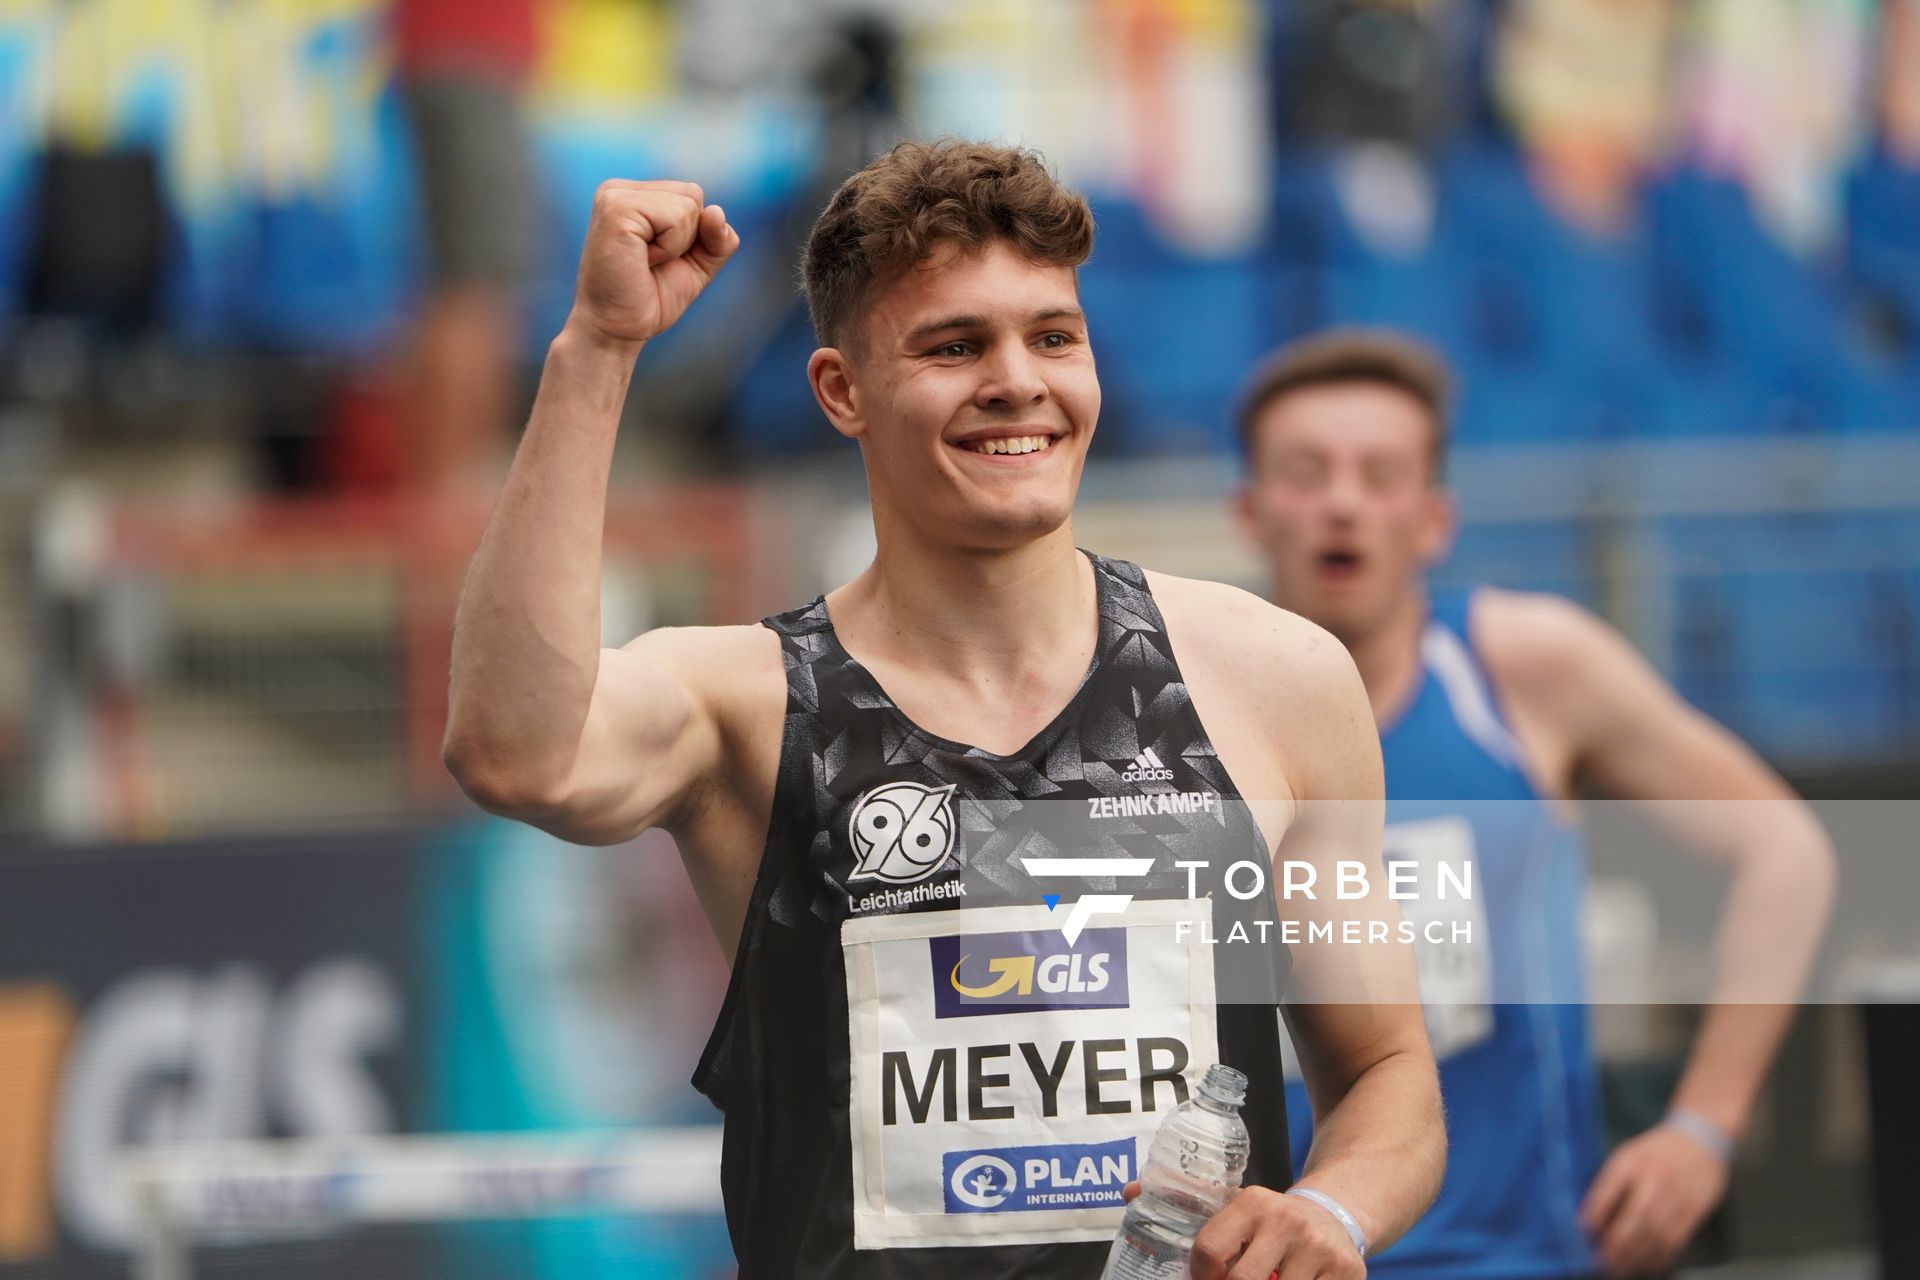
[
  {"x": 831, "y": 374},
  {"x": 1240, "y": 508},
  {"x": 1441, "y": 524}
]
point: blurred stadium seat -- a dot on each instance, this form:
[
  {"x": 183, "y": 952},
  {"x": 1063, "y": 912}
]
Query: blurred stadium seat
[{"x": 1883, "y": 259}]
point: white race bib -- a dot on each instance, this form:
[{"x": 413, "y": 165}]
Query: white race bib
[
  {"x": 1456, "y": 978},
  {"x": 1005, "y": 1084}
]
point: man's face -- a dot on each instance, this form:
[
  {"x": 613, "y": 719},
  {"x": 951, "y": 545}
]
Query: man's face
[
  {"x": 1340, "y": 499},
  {"x": 973, "y": 397}
]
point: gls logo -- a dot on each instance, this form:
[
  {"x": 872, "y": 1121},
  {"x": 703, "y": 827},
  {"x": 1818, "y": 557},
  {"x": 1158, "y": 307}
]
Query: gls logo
[
  {"x": 992, "y": 973},
  {"x": 1057, "y": 974},
  {"x": 901, "y": 832}
]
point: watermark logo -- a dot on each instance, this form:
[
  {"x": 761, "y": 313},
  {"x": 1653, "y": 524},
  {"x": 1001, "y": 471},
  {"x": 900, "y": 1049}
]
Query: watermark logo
[{"x": 1088, "y": 905}]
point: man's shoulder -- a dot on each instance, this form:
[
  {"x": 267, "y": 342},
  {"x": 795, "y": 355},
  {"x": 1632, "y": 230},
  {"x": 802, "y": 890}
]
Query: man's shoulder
[
  {"x": 1534, "y": 641},
  {"x": 1247, "y": 637},
  {"x": 722, "y": 643},
  {"x": 730, "y": 665},
  {"x": 1280, "y": 693}
]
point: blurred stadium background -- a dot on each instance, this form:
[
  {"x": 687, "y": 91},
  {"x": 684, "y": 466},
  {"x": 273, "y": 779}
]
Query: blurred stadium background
[{"x": 275, "y": 281}]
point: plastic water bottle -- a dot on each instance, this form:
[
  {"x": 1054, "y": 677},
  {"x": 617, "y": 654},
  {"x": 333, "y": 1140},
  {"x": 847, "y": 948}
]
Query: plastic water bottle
[{"x": 1194, "y": 1165}]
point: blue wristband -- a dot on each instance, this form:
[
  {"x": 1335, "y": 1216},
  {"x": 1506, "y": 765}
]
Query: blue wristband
[
  {"x": 1701, "y": 1130},
  {"x": 1332, "y": 1206}
]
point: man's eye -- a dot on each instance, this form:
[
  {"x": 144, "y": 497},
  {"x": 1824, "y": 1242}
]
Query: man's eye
[
  {"x": 1055, "y": 341},
  {"x": 950, "y": 350}
]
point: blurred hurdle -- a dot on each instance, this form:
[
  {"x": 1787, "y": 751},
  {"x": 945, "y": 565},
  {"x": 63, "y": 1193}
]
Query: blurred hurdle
[
  {"x": 253, "y": 1193},
  {"x": 238, "y": 663}
]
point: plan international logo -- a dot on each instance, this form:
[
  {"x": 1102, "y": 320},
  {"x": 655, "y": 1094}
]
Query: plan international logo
[{"x": 1085, "y": 1175}]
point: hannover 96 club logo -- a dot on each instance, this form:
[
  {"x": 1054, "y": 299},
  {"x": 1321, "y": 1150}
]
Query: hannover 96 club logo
[{"x": 901, "y": 832}]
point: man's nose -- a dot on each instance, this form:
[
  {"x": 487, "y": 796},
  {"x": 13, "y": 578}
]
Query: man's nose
[
  {"x": 1344, "y": 493},
  {"x": 1011, "y": 379}
]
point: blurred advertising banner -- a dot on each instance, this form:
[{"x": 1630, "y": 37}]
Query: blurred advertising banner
[
  {"x": 237, "y": 989},
  {"x": 344, "y": 986}
]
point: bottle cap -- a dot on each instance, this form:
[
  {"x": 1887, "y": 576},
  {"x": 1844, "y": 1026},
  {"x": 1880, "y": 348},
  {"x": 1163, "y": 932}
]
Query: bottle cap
[{"x": 1224, "y": 1085}]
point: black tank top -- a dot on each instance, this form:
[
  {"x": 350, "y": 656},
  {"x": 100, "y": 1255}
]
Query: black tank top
[{"x": 921, "y": 1074}]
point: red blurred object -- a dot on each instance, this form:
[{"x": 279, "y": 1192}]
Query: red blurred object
[
  {"x": 477, "y": 35},
  {"x": 363, "y": 453}
]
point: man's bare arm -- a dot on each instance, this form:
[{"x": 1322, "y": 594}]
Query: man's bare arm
[
  {"x": 1298, "y": 725},
  {"x": 1628, "y": 735},
  {"x": 1379, "y": 1139},
  {"x": 545, "y": 725}
]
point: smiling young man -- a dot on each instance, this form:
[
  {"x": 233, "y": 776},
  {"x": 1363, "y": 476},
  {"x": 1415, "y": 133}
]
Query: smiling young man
[
  {"x": 1494, "y": 706},
  {"x": 859, "y": 786}
]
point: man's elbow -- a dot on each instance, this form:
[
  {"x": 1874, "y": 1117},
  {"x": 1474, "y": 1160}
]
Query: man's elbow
[
  {"x": 501, "y": 786},
  {"x": 1424, "y": 1124},
  {"x": 1820, "y": 866},
  {"x": 1803, "y": 861},
  {"x": 1432, "y": 1129},
  {"x": 1437, "y": 1152}
]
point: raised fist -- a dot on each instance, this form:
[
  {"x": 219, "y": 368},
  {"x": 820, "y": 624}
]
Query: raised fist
[{"x": 651, "y": 248}]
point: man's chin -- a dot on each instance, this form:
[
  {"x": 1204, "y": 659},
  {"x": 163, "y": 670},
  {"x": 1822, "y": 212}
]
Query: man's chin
[{"x": 1015, "y": 525}]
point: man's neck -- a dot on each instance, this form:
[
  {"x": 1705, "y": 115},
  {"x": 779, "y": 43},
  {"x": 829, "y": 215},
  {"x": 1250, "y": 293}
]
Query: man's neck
[
  {"x": 967, "y": 612},
  {"x": 1388, "y": 656}
]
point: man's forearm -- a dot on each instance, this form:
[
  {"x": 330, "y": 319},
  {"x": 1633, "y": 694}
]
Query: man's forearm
[
  {"x": 1775, "y": 914},
  {"x": 1381, "y": 1150},
  {"x": 1729, "y": 1063},
  {"x": 526, "y": 643}
]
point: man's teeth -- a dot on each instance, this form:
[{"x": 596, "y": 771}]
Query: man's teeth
[{"x": 1012, "y": 444}]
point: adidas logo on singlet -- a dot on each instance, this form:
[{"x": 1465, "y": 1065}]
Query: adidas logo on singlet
[{"x": 1146, "y": 767}]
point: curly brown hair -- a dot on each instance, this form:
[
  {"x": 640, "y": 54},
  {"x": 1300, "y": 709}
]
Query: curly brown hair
[{"x": 921, "y": 195}]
